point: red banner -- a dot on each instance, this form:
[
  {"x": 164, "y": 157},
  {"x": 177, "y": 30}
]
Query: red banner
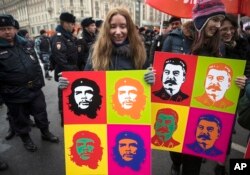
[{"x": 183, "y": 8}]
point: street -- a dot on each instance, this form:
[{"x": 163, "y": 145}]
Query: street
[{"x": 49, "y": 159}]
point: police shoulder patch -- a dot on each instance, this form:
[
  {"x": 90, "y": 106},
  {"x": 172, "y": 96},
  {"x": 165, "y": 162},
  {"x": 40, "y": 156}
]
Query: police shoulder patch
[
  {"x": 3, "y": 52},
  {"x": 58, "y": 45}
]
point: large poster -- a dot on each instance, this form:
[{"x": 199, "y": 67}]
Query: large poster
[
  {"x": 193, "y": 104},
  {"x": 107, "y": 123}
]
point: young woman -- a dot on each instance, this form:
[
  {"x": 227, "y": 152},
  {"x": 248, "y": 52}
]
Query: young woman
[
  {"x": 204, "y": 39},
  {"x": 235, "y": 48},
  {"x": 118, "y": 47}
]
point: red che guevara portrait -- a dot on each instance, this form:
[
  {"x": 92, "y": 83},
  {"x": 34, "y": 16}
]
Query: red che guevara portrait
[{"x": 84, "y": 101}]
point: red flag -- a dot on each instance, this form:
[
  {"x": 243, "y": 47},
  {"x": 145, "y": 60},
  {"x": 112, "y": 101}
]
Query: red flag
[
  {"x": 183, "y": 8},
  {"x": 245, "y": 7}
]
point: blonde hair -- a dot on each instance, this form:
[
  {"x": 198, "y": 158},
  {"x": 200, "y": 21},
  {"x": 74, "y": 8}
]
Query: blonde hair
[{"x": 103, "y": 47}]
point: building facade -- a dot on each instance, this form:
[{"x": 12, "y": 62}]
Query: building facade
[{"x": 35, "y": 15}]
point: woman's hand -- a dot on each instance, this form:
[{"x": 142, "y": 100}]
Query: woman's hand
[
  {"x": 241, "y": 81},
  {"x": 149, "y": 76}
]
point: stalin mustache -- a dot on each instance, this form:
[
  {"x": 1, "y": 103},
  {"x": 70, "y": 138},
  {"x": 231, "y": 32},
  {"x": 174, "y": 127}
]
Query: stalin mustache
[{"x": 172, "y": 82}]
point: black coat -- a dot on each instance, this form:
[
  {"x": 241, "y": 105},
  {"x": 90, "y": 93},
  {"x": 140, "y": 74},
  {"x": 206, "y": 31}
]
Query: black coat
[
  {"x": 20, "y": 72},
  {"x": 64, "y": 51},
  {"x": 240, "y": 51}
]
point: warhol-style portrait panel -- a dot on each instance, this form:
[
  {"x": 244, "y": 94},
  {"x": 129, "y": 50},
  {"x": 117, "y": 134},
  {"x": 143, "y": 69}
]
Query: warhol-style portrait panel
[
  {"x": 85, "y": 149},
  {"x": 174, "y": 78},
  {"x": 129, "y": 149},
  {"x": 215, "y": 86},
  {"x": 208, "y": 134},
  {"x": 128, "y": 97},
  {"x": 84, "y": 101},
  {"x": 168, "y": 126}
]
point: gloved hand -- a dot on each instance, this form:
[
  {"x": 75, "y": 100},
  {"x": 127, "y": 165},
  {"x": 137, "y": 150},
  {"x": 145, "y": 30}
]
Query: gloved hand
[
  {"x": 149, "y": 76},
  {"x": 63, "y": 83}
]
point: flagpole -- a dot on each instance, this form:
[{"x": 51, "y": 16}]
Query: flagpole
[{"x": 161, "y": 26}]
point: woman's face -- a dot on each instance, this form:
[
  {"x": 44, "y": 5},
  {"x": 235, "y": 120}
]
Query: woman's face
[
  {"x": 118, "y": 29},
  {"x": 227, "y": 31},
  {"x": 213, "y": 25}
]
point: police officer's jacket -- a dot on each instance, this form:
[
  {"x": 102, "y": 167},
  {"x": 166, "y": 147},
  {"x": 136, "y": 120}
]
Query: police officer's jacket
[
  {"x": 64, "y": 51},
  {"x": 20, "y": 72}
]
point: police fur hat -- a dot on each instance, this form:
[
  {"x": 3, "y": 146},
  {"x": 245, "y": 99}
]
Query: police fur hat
[
  {"x": 87, "y": 21},
  {"x": 17, "y": 26},
  {"x": 98, "y": 23},
  {"x": 22, "y": 32},
  {"x": 204, "y": 10},
  {"x": 6, "y": 20},
  {"x": 173, "y": 18},
  {"x": 67, "y": 17}
]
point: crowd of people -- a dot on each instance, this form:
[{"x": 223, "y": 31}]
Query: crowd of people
[{"x": 113, "y": 44}]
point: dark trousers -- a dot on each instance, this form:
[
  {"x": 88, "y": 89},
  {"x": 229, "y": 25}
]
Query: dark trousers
[
  {"x": 190, "y": 164},
  {"x": 20, "y": 112}
]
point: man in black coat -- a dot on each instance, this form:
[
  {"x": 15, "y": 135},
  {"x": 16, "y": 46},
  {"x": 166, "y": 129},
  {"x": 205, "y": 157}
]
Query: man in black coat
[
  {"x": 21, "y": 81},
  {"x": 64, "y": 50}
]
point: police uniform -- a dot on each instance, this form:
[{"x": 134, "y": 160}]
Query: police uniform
[
  {"x": 88, "y": 39},
  {"x": 82, "y": 48},
  {"x": 21, "y": 81},
  {"x": 64, "y": 52}
]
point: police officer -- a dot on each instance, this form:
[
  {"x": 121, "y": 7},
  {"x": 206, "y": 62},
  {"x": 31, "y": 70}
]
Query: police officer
[
  {"x": 21, "y": 81},
  {"x": 88, "y": 37},
  {"x": 43, "y": 50},
  {"x": 64, "y": 50}
]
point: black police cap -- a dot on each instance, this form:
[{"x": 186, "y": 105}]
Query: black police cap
[
  {"x": 6, "y": 20},
  {"x": 87, "y": 21},
  {"x": 67, "y": 17}
]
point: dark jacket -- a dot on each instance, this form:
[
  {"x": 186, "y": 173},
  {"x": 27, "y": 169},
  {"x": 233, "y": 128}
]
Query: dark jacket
[
  {"x": 176, "y": 42},
  {"x": 156, "y": 46},
  {"x": 83, "y": 52},
  {"x": 88, "y": 41},
  {"x": 64, "y": 51},
  {"x": 240, "y": 51},
  {"x": 121, "y": 59},
  {"x": 20, "y": 72}
]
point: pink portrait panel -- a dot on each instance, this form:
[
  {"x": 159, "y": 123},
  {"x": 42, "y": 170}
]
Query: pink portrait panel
[
  {"x": 139, "y": 155},
  {"x": 92, "y": 92},
  {"x": 212, "y": 130}
]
